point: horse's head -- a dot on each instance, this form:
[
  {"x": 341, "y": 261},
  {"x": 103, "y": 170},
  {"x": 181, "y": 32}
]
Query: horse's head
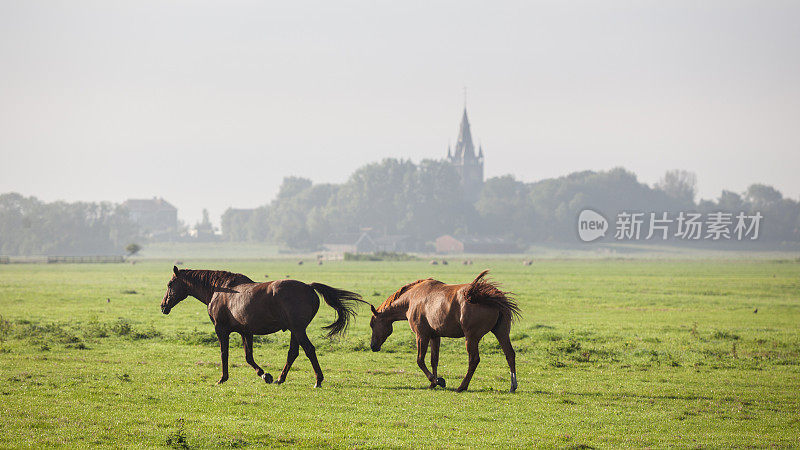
[
  {"x": 177, "y": 290},
  {"x": 381, "y": 329}
]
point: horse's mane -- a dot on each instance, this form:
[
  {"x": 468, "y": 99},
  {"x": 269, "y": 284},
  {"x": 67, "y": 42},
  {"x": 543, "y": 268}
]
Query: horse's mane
[
  {"x": 388, "y": 302},
  {"x": 214, "y": 278},
  {"x": 488, "y": 292}
]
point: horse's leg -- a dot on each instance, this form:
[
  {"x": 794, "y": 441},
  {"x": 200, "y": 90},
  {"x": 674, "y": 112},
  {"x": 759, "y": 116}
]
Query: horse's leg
[
  {"x": 474, "y": 359},
  {"x": 505, "y": 344},
  {"x": 247, "y": 342},
  {"x": 223, "y": 336},
  {"x": 435, "y": 380},
  {"x": 422, "y": 349},
  {"x": 311, "y": 353},
  {"x": 294, "y": 350}
]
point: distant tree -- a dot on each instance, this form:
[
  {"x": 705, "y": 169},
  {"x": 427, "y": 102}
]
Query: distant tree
[
  {"x": 298, "y": 220},
  {"x": 132, "y": 249},
  {"x": 235, "y": 224},
  {"x": 506, "y": 209},
  {"x": 731, "y": 202},
  {"x": 205, "y": 226},
  {"x": 761, "y": 195},
  {"x": 433, "y": 202},
  {"x": 679, "y": 184},
  {"x": 292, "y": 186},
  {"x": 781, "y": 215},
  {"x": 375, "y": 196}
]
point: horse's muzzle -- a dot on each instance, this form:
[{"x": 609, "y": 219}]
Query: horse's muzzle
[
  {"x": 165, "y": 309},
  {"x": 375, "y": 348}
]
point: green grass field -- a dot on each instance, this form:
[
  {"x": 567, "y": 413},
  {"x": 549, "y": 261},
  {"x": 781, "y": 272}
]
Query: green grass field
[{"x": 609, "y": 353}]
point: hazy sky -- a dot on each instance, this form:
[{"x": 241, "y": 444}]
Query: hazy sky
[{"x": 212, "y": 104}]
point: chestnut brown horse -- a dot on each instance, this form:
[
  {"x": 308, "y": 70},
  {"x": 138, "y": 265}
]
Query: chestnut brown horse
[
  {"x": 237, "y": 304},
  {"x": 435, "y": 310}
]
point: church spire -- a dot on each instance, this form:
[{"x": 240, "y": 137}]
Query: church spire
[
  {"x": 468, "y": 166},
  {"x": 464, "y": 147}
]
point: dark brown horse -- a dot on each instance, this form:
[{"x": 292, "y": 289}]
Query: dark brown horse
[
  {"x": 435, "y": 310},
  {"x": 238, "y": 304}
]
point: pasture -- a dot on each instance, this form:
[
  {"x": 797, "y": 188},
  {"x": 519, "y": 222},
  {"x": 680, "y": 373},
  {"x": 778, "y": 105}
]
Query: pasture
[{"x": 609, "y": 353}]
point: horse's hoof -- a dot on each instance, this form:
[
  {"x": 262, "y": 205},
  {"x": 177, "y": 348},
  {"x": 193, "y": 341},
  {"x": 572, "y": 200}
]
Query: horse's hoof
[
  {"x": 266, "y": 377},
  {"x": 318, "y": 384},
  {"x": 461, "y": 389},
  {"x": 279, "y": 381},
  {"x": 440, "y": 382},
  {"x": 222, "y": 380}
]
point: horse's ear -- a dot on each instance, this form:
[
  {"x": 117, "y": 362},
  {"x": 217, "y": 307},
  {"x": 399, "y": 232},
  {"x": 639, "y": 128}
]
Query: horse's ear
[
  {"x": 374, "y": 311},
  {"x": 175, "y": 271}
]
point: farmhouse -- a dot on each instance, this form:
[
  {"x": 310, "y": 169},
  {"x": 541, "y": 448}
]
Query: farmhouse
[
  {"x": 156, "y": 217},
  {"x": 360, "y": 242}
]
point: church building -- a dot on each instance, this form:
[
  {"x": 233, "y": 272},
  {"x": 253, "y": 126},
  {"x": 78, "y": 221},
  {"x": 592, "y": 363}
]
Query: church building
[{"x": 468, "y": 165}]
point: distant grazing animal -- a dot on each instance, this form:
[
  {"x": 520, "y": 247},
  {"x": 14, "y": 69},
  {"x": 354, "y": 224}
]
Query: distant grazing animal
[
  {"x": 237, "y": 304},
  {"x": 435, "y": 310}
]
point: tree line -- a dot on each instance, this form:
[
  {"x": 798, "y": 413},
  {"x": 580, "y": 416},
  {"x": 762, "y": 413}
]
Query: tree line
[
  {"x": 29, "y": 226},
  {"x": 397, "y": 197},
  {"x": 423, "y": 201}
]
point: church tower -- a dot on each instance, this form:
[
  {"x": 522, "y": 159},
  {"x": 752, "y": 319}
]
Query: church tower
[{"x": 468, "y": 165}]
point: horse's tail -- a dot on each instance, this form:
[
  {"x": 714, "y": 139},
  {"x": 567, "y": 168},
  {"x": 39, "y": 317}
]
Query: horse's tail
[
  {"x": 342, "y": 301},
  {"x": 488, "y": 292}
]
